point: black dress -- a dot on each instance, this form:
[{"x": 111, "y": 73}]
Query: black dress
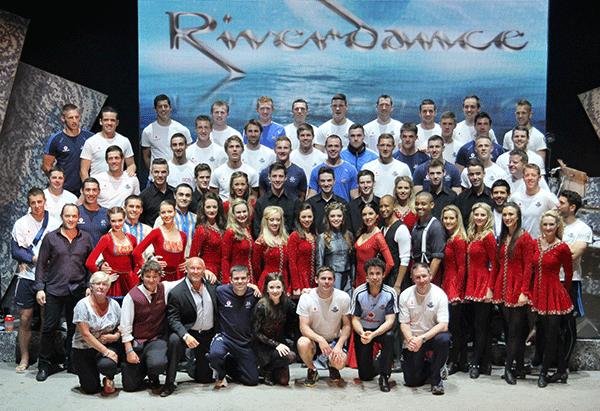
[{"x": 269, "y": 333}]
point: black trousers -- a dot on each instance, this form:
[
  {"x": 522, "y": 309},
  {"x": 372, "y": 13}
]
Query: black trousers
[
  {"x": 417, "y": 369},
  {"x": 202, "y": 372},
  {"x": 153, "y": 362},
  {"x": 367, "y": 367},
  {"x": 50, "y": 352},
  {"x": 90, "y": 363}
]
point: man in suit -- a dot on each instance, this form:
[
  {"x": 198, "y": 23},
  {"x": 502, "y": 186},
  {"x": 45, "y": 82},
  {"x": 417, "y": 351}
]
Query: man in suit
[{"x": 191, "y": 314}]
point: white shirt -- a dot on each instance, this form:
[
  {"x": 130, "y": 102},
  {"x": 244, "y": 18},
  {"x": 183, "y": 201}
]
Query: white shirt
[
  {"x": 328, "y": 128},
  {"x": 451, "y": 150},
  {"x": 423, "y": 135},
  {"x": 519, "y": 185},
  {"x": 385, "y": 175},
  {"x": 220, "y": 178},
  {"x": 324, "y": 315},
  {"x": 423, "y": 312},
  {"x": 309, "y": 161},
  {"x": 181, "y": 173},
  {"x": 54, "y": 204},
  {"x": 374, "y": 129},
  {"x": 214, "y": 155},
  {"x": 291, "y": 131},
  {"x": 114, "y": 191},
  {"x": 204, "y": 308},
  {"x": 492, "y": 173},
  {"x": 23, "y": 233},
  {"x": 532, "y": 208},
  {"x": 402, "y": 238},
  {"x": 95, "y": 147},
  {"x": 219, "y": 137},
  {"x": 258, "y": 159},
  {"x": 158, "y": 138},
  {"x": 537, "y": 141},
  {"x": 574, "y": 232}
]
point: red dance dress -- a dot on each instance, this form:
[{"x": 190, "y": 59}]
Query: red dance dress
[
  {"x": 172, "y": 252},
  {"x": 270, "y": 260},
  {"x": 409, "y": 219},
  {"x": 482, "y": 266},
  {"x": 549, "y": 296},
  {"x": 301, "y": 261},
  {"x": 455, "y": 269},
  {"x": 252, "y": 204},
  {"x": 119, "y": 259},
  {"x": 369, "y": 249},
  {"x": 236, "y": 252},
  {"x": 206, "y": 244},
  {"x": 514, "y": 273}
]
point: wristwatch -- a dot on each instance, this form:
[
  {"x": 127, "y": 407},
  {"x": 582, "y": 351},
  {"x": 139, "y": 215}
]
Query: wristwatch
[{"x": 424, "y": 338}]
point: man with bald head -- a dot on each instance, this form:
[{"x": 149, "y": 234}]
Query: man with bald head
[{"x": 191, "y": 314}]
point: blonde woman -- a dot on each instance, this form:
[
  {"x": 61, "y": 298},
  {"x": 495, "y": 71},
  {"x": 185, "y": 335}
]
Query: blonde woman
[
  {"x": 482, "y": 266},
  {"x": 270, "y": 249},
  {"x": 404, "y": 193},
  {"x": 455, "y": 274},
  {"x": 237, "y": 241},
  {"x": 551, "y": 300}
]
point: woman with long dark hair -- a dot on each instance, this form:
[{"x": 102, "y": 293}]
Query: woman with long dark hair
[
  {"x": 274, "y": 319},
  {"x": 512, "y": 286},
  {"x": 211, "y": 223},
  {"x": 302, "y": 250}
]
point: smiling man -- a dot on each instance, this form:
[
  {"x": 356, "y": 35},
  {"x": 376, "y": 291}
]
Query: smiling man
[
  {"x": 156, "y": 137},
  {"x": 115, "y": 184},
  {"x": 338, "y": 125},
  {"x": 357, "y": 153},
  {"x": 205, "y": 150},
  {"x": 299, "y": 111},
  {"x": 93, "y": 151},
  {"x": 537, "y": 141},
  {"x": 219, "y": 110},
  {"x": 220, "y": 177},
  {"x": 92, "y": 217},
  {"x": 270, "y": 130},
  {"x": 427, "y": 127},
  {"x": 424, "y": 323},
  {"x": 428, "y": 237},
  {"x": 386, "y": 168},
  {"x": 156, "y": 192},
  {"x": 478, "y": 192},
  {"x": 383, "y": 124},
  {"x": 181, "y": 170},
  {"x": 256, "y": 155}
]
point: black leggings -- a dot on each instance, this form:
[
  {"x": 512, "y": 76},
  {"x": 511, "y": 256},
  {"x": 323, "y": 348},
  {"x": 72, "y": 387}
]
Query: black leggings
[
  {"x": 482, "y": 343},
  {"x": 554, "y": 347},
  {"x": 457, "y": 327},
  {"x": 89, "y": 364},
  {"x": 515, "y": 319}
]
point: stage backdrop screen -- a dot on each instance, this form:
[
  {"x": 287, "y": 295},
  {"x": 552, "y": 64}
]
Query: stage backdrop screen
[{"x": 200, "y": 51}]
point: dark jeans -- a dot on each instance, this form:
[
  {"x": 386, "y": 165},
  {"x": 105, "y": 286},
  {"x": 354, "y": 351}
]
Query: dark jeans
[
  {"x": 417, "y": 369},
  {"x": 367, "y": 368},
  {"x": 49, "y": 351},
  {"x": 246, "y": 369}
]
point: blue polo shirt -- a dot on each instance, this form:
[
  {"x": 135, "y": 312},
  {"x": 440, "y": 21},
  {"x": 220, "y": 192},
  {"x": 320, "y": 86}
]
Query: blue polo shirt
[
  {"x": 295, "y": 183},
  {"x": 95, "y": 223},
  {"x": 67, "y": 151},
  {"x": 412, "y": 161},
  {"x": 269, "y": 135},
  {"x": 467, "y": 152},
  {"x": 345, "y": 179},
  {"x": 372, "y": 310}
]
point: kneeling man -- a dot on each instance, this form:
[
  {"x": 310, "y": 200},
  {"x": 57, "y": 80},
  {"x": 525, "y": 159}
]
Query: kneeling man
[
  {"x": 374, "y": 308},
  {"x": 424, "y": 324},
  {"x": 325, "y": 326}
]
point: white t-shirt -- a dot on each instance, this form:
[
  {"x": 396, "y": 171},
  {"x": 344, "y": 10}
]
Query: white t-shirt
[
  {"x": 328, "y": 128},
  {"x": 537, "y": 141},
  {"x": 423, "y": 313},
  {"x": 307, "y": 162},
  {"x": 220, "y": 177},
  {"x": 532, "y": 208},
  {"x": 373, "y": 130},
  {"x": 54, "y": 204},
  {"x": 385, "y": 175},
  {"x": 258, "y": 159},
  {"x": 519, "y": 185},
  {"x": 324, "y": 315},
  {"x": 181, "y": 173},
  {"x": 214, "y": 155},
  {"x": 492, "y": 173},
  {"x": 158, "y": 138},
  {"x": 423, "y": 135},
  {"x": 534, "y": 158},
  {"x": 84, "y": 313},
  {"x": 114, "y": 191},
  {"x": 219, "y": 137},
  {"x": 23, "y": 233},
  {"x": 451, "y": 150},
  {"x": 464, "y": 133},
  {"x": 577, "y": 231},
  {"x": 95, "y": 147}
]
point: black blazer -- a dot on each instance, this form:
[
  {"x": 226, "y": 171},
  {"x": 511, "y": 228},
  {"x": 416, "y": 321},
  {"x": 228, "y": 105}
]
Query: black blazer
[{"x": 181, "y": 309}]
